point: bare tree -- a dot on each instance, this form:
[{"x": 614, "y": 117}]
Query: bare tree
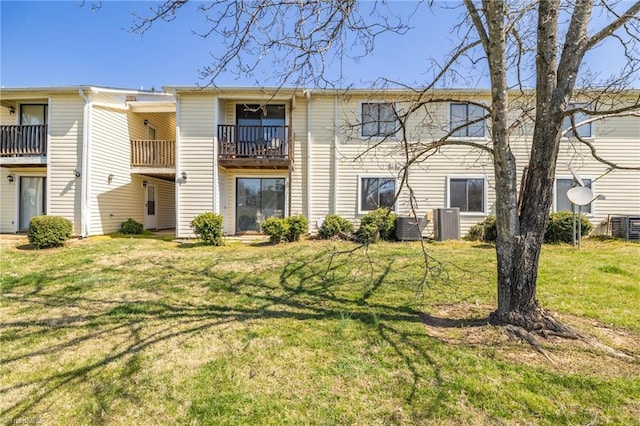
[{"x": 512, "y": 38}]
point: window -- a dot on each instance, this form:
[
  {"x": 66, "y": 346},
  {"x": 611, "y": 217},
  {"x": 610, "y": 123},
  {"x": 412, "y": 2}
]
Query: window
[
  {"x": 583, "y": 131},
  {"x": 33, "y": 114},
  {"x": 378, "y": 119},
  {"x": 377, "y": 192},
  {"x": 562, "y": 202},
  {"x": 460, "y": 114},
  {"x": 467, "y": 194}
]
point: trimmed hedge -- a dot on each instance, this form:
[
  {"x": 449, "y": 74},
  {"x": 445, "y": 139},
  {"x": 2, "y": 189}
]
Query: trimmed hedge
[
  {"x": 208, "y": 227},
  {"x": 559, "y": 229},
  {"x": 297, "y": 225},
  {"x": 334, "y": 225},
  {"x": 276, "y": 228},
  {"x": 379, "y": 224},
  {"x": 130, "y": 226},
  {"x": 288, "y": 228},
  {"x": 49, "y": 231}
]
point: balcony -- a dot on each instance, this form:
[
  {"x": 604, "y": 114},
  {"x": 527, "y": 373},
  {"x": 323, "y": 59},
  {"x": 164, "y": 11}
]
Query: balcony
[
  {"x": 23, "y": 144},
  {"x": 254, "y": 146},
  {"x": 153, "y": 157}
]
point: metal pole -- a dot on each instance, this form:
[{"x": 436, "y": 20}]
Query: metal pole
[
  {"x": 573, "y": 209},
  {"x": 579, "y": 227}
]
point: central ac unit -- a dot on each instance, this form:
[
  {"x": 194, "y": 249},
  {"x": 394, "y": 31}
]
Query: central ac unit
[{"x": 446, "y": 224}]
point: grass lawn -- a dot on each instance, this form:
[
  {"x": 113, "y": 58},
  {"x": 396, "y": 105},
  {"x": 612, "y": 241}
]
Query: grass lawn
[{"x": 124, "y": 331}]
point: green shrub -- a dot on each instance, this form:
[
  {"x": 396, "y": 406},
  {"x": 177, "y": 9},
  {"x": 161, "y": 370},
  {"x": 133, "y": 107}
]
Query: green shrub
[
  {"x": 560, "y": 227},
  {"x": 276, "y": 228},
  {"x": 485, "y": 231},
  {"x": 130, "y": 226},
  {"x": 335, "y": 225},
  {"x": 49, "y": 231},
  {"x": 208, "y": 227},
  {"x": 296, "y": 226},
  {"x": 379, "y": 224}
]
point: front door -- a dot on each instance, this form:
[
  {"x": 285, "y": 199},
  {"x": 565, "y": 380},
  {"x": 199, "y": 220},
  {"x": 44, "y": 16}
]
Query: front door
[
  {"x": 150, "y": 221},
  {"x": 256, "y": 200},
  {"x": 32, "y": 201}
]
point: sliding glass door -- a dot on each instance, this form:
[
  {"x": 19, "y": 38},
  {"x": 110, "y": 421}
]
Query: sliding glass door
[
  {"x": 32, "y": 201},
  {"x": 256, "y": 200}
]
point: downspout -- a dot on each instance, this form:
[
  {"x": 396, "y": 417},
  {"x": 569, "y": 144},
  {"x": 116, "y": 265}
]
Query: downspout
[
  {"x": 84, "y": 171},
  {"x": 334, "y": 189},
  {"x": 309, "y": 204},
  {"x": 177, "y": 164}
]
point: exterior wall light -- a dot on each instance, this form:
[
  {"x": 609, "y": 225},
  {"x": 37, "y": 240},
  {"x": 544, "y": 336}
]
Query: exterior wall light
[
  {"x": 76, "y": 173},
  {"x": 110, "y": 178},
  {"x": 144, "y": 183},
  {"x": 184, "y": 176},
  {"x": 11, "y": 178},
  {"x": 12, "y": 110},
  {"x": 145, "y": 122}
]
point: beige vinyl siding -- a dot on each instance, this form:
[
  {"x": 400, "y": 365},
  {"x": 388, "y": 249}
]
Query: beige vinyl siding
[
  {"x": 111, "y": 203},
  {"x": 197, "y": 124},
  {"x": 232, "y": 175},
  {"x": 124, "y": 197},
  {"x": 225, "y": 208},
  {"x": 9, "y": 197},
  {"x": 298, "y": 183},
  {"x": 7, "y": 119},
  {"x": 65, "y": 155}
]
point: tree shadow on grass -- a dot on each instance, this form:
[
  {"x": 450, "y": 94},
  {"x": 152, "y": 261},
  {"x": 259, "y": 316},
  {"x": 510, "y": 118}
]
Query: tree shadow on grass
[{"x": 308, "y": 288}]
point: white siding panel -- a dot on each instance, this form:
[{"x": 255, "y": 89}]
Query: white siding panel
[
  {"x": 197, "y": 127},
  {"x": 65, "y": 156}
]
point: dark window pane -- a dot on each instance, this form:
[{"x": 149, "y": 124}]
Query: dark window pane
[
  {"x": 458, "y": 194},
  {"x": 387, "y": 191},
  {"x": 369, "y": 194},
  {"x": 475, "y": 193}
]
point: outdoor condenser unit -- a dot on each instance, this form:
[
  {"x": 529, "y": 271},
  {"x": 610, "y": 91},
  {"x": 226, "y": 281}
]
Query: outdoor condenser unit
[
  {"x": 446, "y": 224},
  {"x": 627, "y": 227},
  {"x": 410, "y": 228}
]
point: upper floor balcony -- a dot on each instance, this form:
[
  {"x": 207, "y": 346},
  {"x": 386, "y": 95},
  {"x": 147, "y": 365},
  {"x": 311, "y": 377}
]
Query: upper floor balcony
[
  {"x": 254, "y": 146},
  {"x": 23, "y": 144},
  {"x": 153, "y": 156}
]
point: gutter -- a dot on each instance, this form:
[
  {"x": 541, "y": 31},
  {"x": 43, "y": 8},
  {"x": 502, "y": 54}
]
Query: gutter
[{"x": 84, "y": 169}]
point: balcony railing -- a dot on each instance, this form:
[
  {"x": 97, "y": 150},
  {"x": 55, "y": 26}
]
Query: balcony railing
[
  {"x": 153, "y": 153},
  {"x": 23, "y": 140},
  {"x": 249, "y": 142}
]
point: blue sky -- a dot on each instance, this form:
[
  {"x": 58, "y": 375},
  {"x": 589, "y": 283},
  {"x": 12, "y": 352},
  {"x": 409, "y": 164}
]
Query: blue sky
[{"x": 53, "y": 43}]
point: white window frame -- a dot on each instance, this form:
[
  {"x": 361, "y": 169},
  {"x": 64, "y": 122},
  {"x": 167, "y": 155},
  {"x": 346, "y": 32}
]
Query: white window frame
[
  {"x": 375, "y": 137},
  {"x": 566, "y": 122},
  {"x": 569, "y": 177},
  {"x": 374, "y": 176},
  {"x": 485, "y": 193},
  {"x": 484, "y": 122}
]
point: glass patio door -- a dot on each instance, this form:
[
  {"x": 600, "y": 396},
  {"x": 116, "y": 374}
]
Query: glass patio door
[
  {"x": 32, "y": 202},
  {"x": 256, "y": 200}
]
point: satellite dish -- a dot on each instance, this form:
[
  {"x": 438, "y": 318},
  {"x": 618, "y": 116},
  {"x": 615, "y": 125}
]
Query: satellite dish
[
  {"x": 580, "y": 195},
  {"x": 576, "y": 176}
]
